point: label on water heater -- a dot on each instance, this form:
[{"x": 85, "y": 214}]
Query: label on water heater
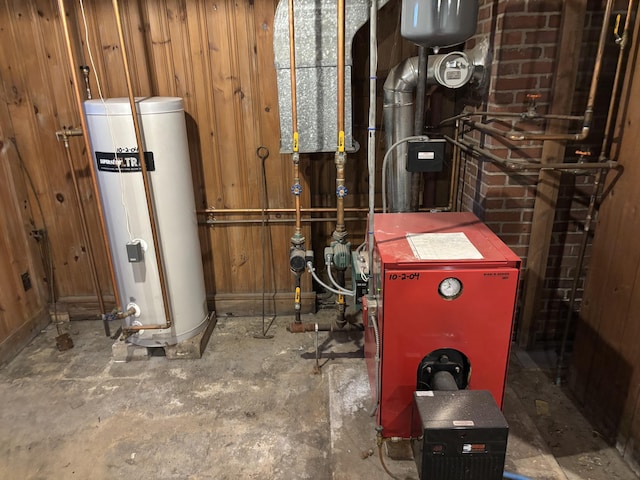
[{"x": 123, "y": 162}]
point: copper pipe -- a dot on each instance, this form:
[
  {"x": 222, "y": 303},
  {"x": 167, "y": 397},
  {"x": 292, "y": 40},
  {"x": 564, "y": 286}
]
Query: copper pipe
[
  {"x": 591, "y": 211},
  {"x": 292, "y": 64},
  {"x": 137, "y": 328},
  {"x": 515, "y": 165},
  {"x": 298, "y": 229},
  {"x": 616, "y": 82},
  {"x": 598, "y": 65},
  {"x": 340, "y": 232},
  {"x": 522, "y": 116},
  {"x": 341, "y": 67},
  {"x": 87, "y": 144},
  {"x": 520, "y": 136},
  {"x": 240, "y": 211},
  {"x": 143, "y": 166},
  {"x": 297, "y": 239},
  {"x": 588, "y": 114},
  {"x": 122, "y": 315},
  {"x": 277, "y": 221},
  {"x": 83, "y": 224}
]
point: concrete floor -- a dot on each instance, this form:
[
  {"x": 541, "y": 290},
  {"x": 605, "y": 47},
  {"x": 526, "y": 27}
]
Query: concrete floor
[{"x": 250, "y": 408}]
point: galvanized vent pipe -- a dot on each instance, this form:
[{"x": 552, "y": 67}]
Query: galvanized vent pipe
[
  {"x": 398, "y": 113},
  {"x": 400, "y": 121}
]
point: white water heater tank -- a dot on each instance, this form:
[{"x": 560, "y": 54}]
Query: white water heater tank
[{"x": 123, "y": 197}]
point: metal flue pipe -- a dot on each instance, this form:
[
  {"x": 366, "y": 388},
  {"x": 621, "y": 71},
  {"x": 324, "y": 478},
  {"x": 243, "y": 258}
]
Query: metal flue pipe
[
  {"x": 399, "y": 122},
  {"x": 87, "y": 143},
  {"x": 145, "y": 179},
  {"x": 398, "y": 112},
  {"x": 403, "y": 105},
  {"x": 421, "y": 89}
]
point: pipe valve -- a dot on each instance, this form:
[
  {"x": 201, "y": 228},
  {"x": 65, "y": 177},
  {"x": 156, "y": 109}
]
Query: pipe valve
[
  {"x": 532, "y": 111},
  {"x": 296, "y": 189}
]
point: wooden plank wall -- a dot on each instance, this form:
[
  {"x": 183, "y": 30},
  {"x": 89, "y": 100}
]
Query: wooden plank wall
[
  {"x": 218, "y": 56},
  {"x": 605, "y": 373},
  {"x": 320, "y": 168},
  {"x": 39, "y": 101},
  {"x": 22, "y": 305}
]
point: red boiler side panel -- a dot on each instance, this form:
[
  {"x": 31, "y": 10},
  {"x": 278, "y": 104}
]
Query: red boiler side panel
[{"x": 444, "y": 281}]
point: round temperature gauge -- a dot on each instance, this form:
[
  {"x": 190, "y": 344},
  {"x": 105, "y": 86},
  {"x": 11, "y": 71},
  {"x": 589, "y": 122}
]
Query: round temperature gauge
[{"x": 450, "y": 288}]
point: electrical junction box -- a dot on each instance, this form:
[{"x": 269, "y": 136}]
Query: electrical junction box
[
  {"x": 134, "y": 252},
  {"x": 360, "y": 272},
  {"x": 425, "y": 156},
  {"x": 463, "y": 436},
  {"x": 443, "y": 282}
]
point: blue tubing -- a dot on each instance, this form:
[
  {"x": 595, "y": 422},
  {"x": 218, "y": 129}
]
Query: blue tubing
[{"x": 514, "y": 476}]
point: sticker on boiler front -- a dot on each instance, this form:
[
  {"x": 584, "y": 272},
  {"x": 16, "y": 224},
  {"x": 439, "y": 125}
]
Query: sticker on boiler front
[
  {"x": 443, "y": 246},
  {"x": 424, "y": 393},
  {"x": 463, "y": 423}
]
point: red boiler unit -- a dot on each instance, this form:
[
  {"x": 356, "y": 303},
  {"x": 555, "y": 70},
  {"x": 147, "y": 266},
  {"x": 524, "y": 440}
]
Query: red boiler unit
[{"x": 444, "y": 299}]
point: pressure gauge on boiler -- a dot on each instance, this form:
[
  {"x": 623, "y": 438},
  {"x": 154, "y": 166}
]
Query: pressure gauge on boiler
[{"x": 450, "y": 288}]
